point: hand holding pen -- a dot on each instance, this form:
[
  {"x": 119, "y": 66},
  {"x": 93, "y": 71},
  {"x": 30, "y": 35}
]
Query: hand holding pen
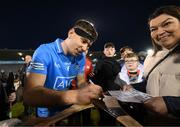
[
  {"x": 88, "y": 94},
  {"x": 100, "y": 96}
]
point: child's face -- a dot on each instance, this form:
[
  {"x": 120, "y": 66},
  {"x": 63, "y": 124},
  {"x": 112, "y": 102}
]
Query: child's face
[{"x": 131, "y": 63}]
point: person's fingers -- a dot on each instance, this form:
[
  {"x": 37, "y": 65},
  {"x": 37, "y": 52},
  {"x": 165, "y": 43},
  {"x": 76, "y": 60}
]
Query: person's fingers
[
  {"x": 88, "y": 93},
  {"x": 95, "y": 92},
  {"x": 98, "y": 89},
  {"x": 127, "y": 87},
  {"x": 124, "y": 88},
  {"x": 146, "y": 102},
  {"x": 93, "y": 96}
]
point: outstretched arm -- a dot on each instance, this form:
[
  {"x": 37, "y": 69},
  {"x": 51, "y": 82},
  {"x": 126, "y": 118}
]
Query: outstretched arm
[{"x": 35, "y": 94}]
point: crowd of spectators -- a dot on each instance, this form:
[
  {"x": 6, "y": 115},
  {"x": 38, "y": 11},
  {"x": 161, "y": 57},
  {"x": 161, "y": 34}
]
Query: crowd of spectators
[{"x": 156, "y": 74}]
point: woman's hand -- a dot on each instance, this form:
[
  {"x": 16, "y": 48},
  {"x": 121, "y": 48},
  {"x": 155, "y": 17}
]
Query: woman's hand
[{"x": 156, "y": 104}]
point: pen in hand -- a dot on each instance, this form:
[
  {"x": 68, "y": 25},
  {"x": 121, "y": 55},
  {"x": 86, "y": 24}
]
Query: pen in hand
[{"x": 91, "y": 82}]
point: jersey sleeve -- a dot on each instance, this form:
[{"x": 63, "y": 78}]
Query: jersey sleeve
[
  {"x": 39, "y": 61},
  {"x": 81, "y": 62}
]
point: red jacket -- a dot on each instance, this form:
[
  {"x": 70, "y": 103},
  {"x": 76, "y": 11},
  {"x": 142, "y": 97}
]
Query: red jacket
[{"x": 88, "y": 69}]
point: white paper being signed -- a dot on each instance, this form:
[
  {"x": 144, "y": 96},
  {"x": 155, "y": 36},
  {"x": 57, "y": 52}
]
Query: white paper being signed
[{"x": 130, "y": 96}]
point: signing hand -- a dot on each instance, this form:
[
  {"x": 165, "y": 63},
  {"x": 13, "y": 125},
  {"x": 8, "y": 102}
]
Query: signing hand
[{"x": 86, "y": 94}]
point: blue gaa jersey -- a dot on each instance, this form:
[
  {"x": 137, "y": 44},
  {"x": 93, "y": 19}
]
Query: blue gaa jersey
[{"x": 60, "y": 69}]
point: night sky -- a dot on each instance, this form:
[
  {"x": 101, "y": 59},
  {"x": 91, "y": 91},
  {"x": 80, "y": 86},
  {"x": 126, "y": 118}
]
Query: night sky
[{"x": 27, "y": 24}]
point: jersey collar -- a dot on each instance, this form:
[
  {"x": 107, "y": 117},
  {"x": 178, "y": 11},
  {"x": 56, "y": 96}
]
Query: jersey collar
[{"x": 58, "y": 45}]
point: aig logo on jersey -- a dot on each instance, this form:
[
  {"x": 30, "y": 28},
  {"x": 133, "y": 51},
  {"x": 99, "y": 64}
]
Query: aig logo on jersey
[{"x": 62, "y": 83}]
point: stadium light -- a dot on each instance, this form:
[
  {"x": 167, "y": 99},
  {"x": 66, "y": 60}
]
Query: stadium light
[
  {"x": 150, "y": 51},
  {"x": 20, "y": 53}
]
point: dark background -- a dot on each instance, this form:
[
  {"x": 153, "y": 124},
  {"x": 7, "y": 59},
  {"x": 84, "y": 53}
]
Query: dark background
[{"x": 27, "y": 24}]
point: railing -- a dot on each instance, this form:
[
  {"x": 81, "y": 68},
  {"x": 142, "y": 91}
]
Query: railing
[
  {"x": 113, "y": 109},
  {"x": 51, "y": 121}
]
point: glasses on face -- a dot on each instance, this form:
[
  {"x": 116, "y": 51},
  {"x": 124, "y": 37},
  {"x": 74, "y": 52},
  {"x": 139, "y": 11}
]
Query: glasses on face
[{"x": 130, "y": 61}]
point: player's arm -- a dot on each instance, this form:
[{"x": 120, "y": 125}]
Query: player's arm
[
  {"x": 35, "y": 94},
  {"x": 81, "y": 81}
]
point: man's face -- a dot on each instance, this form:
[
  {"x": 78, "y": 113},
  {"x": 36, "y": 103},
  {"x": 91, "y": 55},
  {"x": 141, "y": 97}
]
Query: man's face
[
  {"x": 28, "y": 58},
  {"x": 131, "y": 63},
  {"x": 109, "y": 51},
  {"x": 165, "y": 30},
  {"x": 78, "y": 44}
]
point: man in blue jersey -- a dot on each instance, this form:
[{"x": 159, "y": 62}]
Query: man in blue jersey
[{"x": 54, "y": 66}]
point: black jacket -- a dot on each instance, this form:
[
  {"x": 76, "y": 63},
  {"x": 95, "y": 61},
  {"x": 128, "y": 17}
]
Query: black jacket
[
  {"x": 106, "y": 71},
  {"x": 5, "y": 91}
]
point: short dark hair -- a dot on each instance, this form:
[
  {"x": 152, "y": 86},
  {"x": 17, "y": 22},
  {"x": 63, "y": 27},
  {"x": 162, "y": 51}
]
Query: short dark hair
[
  {"x": 109, "y": 44},
  {"x": 171, "y": 10},
  {"x": 86, "y": 29},
  {"x": 124, "y": 48}
]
